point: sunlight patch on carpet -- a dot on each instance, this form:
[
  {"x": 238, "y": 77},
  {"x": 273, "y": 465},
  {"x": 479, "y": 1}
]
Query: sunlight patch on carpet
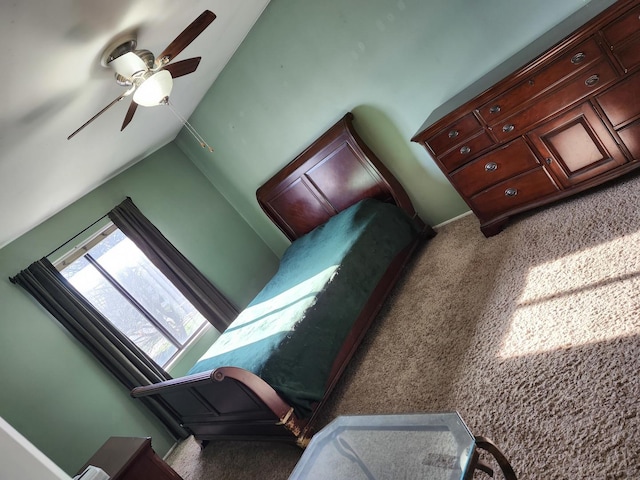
[{"x": 589, "y": 296}]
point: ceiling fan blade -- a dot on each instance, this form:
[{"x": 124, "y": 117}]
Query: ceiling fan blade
[
  {"x": 129, "y": 116},
  {"x": 187, "y": 36},
  {"x": 99, "y": 113},
  {"x": 183, "y": 67}
]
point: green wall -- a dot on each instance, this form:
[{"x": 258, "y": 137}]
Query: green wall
[
  {"x": 56, "y": 394},
  {"x": 392, "y": 62},
  {"x": 303, "y": 65}
]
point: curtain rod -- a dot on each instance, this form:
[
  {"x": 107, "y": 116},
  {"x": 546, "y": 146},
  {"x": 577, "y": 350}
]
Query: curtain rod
[
  {"x": 13, "y": 279},
  {"x": 76, "y": 235},
  {"x": 81, "y": 232}
]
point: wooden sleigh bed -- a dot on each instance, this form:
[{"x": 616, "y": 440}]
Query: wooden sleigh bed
[{"x": 332, "y": 179}]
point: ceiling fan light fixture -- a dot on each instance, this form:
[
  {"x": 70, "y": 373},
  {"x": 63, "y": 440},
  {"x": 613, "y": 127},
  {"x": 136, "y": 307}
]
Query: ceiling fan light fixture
[
  {"x": 154, "y": 89},
  {"x": 150, "y": 81},
  {"x": 128, "y": 65}
]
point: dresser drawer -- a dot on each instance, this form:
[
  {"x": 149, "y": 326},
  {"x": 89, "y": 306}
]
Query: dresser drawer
[
  {"x": 631, "y": 138},
  {"x": 624, "y": 27},
  {"x": 454, "y": 134},
  {"x": 576, "y": 60},
  {"x": 589, "y": 82},
  {"x": 494, "y": 167},
  {"x": 621, "y": 103},
  {"x": 466, "y": 151},
  {"x": 513, "y": 193},
  {"x": 623, "y": 36},
  {"x": 628, "y": 55}
]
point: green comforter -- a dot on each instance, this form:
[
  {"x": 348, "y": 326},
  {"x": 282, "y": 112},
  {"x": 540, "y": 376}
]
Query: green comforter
[{"x": 291, "y": 332}]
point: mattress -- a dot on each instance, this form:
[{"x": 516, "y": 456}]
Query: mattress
[{"x": 291, "y": 332}]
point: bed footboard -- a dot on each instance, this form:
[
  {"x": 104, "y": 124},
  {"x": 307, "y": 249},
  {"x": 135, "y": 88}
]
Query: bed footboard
[{"x": 228, "y": 403}]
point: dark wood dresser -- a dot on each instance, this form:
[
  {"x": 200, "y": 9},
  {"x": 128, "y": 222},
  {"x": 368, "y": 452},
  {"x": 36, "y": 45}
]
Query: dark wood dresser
[
  {"x": 565, "y": 119},
  {"x": 131, "y": 458}
]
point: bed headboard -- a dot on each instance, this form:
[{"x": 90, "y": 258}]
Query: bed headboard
[{"x": 333, "y": 173}]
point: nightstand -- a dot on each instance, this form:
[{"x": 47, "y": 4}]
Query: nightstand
[{"x": 131, "y": 458}]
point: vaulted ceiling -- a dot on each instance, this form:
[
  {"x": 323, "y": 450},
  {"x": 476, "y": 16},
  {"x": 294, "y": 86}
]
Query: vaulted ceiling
[{"x": 53, "y": 82}]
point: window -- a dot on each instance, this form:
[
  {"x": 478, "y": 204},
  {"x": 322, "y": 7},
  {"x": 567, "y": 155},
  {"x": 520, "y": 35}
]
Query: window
[{"x": 112, "y": 273}]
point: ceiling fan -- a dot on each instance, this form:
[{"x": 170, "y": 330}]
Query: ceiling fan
[{"x": 149, "y": 79}]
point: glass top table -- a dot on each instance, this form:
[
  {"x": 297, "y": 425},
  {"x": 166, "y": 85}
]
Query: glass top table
[{"x": 413, "y": 446}]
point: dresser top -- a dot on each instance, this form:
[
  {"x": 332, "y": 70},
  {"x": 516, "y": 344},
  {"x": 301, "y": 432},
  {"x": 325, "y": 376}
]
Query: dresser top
[{"x": 542, "y": 44}]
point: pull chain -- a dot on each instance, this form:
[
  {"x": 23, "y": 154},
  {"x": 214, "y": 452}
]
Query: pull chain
[{"x": 188, "y": 126}]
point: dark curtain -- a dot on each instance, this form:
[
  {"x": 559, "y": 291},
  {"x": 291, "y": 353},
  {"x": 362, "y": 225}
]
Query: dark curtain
[
  {"x": 175, "y": 266},
  {"x": 129, "y": 364}
]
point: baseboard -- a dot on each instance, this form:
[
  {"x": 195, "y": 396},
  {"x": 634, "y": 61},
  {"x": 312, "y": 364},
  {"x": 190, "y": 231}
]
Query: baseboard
[
  {"x": 166, "y": 455},
  {"x": 453, "y": 219}
]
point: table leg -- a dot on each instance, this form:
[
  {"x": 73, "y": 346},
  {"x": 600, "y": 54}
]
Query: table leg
[{"x": 486, "y": 444}]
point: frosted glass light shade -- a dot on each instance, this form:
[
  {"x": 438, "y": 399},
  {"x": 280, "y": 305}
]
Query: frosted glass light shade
[
  {"x": 128, "y": 64},
  {"x": 154, "y": 89}
]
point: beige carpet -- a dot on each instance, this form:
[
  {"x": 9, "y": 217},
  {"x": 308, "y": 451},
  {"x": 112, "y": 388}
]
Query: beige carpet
[{"x": 532, "y": 335}]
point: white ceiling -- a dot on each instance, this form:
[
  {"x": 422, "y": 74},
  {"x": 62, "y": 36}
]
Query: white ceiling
[{"x": 53, "y": 82}]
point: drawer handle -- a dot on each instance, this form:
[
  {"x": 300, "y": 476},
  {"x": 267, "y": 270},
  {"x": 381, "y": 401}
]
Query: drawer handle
[
  {"x": 578, "y": 58},
  {"x": 508, "y": 128},
  {"x": 511, "y": 192},
  {"x": 494, "y": 109},
  {"x": 491, "y": 167},
  {"x": 592, "y": 80},
  {"x": 465, "y": 150},
  {"x": 454, "y": 133}
]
